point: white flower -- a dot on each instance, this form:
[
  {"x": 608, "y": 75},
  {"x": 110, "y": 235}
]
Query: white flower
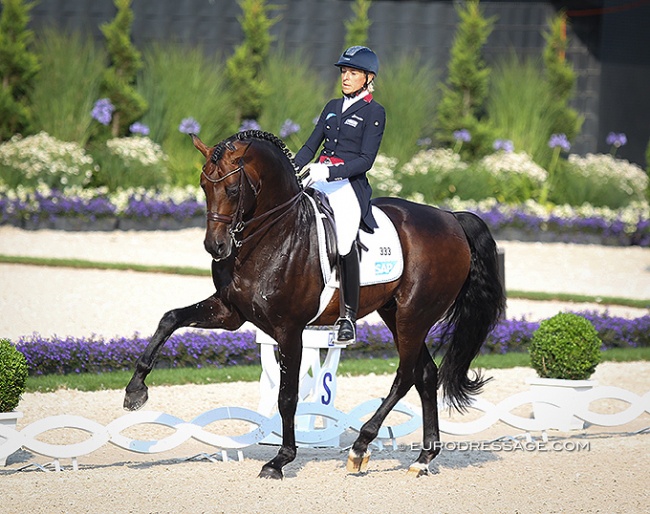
[
  {"x": 617, "y": 173},
  {"x": 46, "y": 159},
  {"x": 437, "y": 161},
  {"x": 502, "y": 165},
  {"x": 383, "y": 175},
  {"x": 139, "y": 149}
]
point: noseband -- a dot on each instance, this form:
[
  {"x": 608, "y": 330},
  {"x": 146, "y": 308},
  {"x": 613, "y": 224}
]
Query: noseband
[{"x": 236, "y": 222}]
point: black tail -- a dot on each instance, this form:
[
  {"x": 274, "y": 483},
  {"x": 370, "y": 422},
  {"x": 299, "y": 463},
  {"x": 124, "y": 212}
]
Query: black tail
[{"x": 478, "y": 307}]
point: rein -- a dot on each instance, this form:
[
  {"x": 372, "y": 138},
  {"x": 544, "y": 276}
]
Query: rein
[{"x": 237, "y": 224}]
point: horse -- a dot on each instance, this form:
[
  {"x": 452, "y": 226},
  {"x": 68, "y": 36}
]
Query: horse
[{"x": 261, "y": 234}]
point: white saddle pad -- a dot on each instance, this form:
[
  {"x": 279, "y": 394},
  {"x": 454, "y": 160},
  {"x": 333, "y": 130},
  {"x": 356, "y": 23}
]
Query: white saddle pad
[{"x": 382, "y": 263}]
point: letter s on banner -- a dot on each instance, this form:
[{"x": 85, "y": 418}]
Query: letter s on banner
[{"x": 327, "y": 378}]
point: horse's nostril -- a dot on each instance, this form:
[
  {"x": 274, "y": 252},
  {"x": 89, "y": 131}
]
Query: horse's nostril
[{"x": 218, "y": 250}]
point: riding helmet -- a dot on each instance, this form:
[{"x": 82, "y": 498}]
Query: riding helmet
[{"x": 361, "y": 58}]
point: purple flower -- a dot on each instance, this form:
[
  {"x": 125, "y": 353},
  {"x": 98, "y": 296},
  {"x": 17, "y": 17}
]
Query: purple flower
[
  {"x": 220, "y": 349},
  {"x": 504, "y": 144},
  {"x": 559, "y": 140},
  {"x": 189, "y": 126},
  {"x": 462, "y": 135},
  {"x": 250, "y": 125},
  {"x": 616, "y": 140},
  {"x": 139, "y": 128},
  {"x": 103, "y": 111},
  {"x": 425, "y": 141},
  {"x": 289, "y": 127}
]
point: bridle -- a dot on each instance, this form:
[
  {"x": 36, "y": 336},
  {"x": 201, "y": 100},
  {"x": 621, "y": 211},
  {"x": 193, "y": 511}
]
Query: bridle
[{"x": 235, "y": 221}]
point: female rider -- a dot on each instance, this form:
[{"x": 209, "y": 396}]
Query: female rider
[{"x": 350, "y": 129}]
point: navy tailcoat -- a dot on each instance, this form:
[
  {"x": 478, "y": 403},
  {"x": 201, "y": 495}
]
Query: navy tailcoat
[{"x": 352, "y": 137}]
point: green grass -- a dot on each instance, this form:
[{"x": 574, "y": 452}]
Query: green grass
[
  {"x": 67, "y": 84},
  {"x": 84, "y": 264},
  {"x": 205, "y": 272},
  {"x": 347, "y": 367}
]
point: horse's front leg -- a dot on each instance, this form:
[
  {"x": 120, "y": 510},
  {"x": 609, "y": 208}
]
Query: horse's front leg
[
  {"x": 290, "y": 355},
  {"x": 210, "y": 313}
]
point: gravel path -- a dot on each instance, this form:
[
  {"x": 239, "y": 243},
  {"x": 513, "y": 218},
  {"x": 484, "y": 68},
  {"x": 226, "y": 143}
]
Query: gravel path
[{"x": 109, "y": 303}]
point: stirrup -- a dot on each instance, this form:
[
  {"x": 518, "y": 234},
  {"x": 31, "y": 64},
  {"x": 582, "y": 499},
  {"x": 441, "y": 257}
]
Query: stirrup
[{"x": 347, "y": 331}]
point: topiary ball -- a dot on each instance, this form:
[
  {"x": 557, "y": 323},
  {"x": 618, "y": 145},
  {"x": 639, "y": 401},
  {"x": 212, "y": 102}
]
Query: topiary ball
[
  {"x": 565, "y": 346},
  {"x": 13, "y": 375}
]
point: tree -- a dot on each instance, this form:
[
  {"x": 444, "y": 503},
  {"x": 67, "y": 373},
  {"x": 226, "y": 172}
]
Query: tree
[
  {"x": 120, "y": 77},
  {"x": 18, "y": 66},
  {"x": 244, "y": 68},
  {"x": 462, "y": 103},
  {"x": 356, "y": 28},
  {"x": 560, "y": 78}
]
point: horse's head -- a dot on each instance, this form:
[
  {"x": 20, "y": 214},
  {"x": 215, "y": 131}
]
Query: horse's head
[{"x": 232, "y": 178}]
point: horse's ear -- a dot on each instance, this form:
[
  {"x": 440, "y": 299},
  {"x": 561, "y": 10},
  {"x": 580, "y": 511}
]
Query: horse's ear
[{"x": 200, "y": 146}]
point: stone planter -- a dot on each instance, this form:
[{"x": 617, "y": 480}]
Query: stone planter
[
  {"x": 564, "y": 393},
  {"x": 9, "y": 420}
]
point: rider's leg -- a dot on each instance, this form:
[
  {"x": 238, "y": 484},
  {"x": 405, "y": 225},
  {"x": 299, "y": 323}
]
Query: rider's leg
[
  {"x": 349, "y": 294},
  {"x": 347, "y": 214}
]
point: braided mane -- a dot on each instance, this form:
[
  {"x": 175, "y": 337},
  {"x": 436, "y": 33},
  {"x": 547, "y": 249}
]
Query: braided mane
[{"x": 251, "y": 134}]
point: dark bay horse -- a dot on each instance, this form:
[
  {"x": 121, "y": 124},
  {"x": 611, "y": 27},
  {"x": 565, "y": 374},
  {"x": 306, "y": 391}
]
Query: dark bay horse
[{"x": 262, "y": 237}]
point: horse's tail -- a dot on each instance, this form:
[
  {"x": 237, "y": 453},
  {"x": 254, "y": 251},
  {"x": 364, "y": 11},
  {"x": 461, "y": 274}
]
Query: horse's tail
[{"x": 478, "y": 307}]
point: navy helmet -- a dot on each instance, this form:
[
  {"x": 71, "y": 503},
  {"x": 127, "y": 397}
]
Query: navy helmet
[{"x": 361, "y": 58}]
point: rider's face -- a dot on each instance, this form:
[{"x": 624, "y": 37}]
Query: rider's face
[{"x": 352, "y": 79}]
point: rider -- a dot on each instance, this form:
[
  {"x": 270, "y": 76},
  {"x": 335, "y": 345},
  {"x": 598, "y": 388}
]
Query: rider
[{"x": 351, "y": 129}]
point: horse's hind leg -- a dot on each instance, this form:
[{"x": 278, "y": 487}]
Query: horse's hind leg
[
  {"x": 426, "y": 382},
  {"x": 404, "y": 380},
  {"x": 210, "y": 313}
]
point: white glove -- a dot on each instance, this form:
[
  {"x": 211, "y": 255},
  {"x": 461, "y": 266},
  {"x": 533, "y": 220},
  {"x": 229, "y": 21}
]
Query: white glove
[{"x": 314, "y": 172}]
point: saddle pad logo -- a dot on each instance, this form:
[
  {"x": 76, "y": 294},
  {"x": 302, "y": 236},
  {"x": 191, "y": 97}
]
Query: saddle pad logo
[{"x": 384, "y": 267}]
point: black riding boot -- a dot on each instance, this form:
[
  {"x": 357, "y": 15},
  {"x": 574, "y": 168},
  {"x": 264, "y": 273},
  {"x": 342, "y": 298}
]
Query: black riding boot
[{"x": 349, "y": 296}]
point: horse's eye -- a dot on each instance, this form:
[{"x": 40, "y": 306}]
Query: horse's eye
[{"x": 232, "y": 191}]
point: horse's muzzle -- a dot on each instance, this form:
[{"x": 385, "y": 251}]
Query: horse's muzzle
[{"x": 218, "y": 250}]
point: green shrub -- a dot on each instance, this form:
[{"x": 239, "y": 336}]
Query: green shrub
[
  {"x": 126, "y": 162},
  {"x": 601, "y": 180},
  {"x": 120, "y": 77},
  {"x": 565, "y": 346},
  {"x": 519, "y": 107},
  {"x": 13, "y": 375},
  {"x": 465, "y": 91},
  {"x": 560, "y": 79},
  {"x": 514, "y": 177},
  {"x": 404, "y": 88},
  {"x": 44, "y": 160},
  {"x": 244, "y": 67},
  {"x": 18, "y": 65},
  {"x": 181, "y": 82},
  {"x": 288, "y": 78},
  {"x": 71, "y": 72}
]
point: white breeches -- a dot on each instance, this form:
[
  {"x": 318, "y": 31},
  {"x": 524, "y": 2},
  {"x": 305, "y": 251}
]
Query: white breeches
[{"x": 347, "y": 212}]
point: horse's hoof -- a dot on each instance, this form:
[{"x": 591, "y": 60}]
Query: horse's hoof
[
  {"x": 136, "y": 399},
  {"x": 357, "y": 463},
  {"x": 418, "y": 470},
  {"x": 270, "y": 473}
]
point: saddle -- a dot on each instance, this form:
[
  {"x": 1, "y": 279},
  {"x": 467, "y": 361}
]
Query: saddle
[
  {"x": 326, "y": 214},
  {"x": 381, "y": 259}
]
